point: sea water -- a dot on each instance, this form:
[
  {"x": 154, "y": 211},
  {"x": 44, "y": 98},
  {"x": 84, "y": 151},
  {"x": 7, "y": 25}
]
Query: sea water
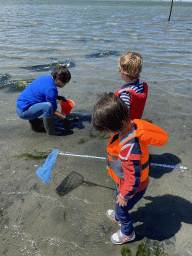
[{"x": 92, "y": 35}]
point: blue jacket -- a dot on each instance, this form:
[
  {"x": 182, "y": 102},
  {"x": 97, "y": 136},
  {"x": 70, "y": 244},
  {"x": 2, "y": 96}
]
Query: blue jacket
[{"x": 43, "y": 89}]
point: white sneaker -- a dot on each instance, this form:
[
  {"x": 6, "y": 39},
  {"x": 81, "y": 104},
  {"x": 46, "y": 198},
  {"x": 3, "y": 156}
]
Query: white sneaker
[
  {"x": 119, "y": 238},
  {"x": 111, "y": 215}
]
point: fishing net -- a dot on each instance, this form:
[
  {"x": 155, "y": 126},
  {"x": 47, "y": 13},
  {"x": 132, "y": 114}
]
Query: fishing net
[{"x": 72, "y": 181}]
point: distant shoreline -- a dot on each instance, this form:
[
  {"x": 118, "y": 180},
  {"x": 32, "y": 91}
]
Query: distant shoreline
[{"x": 187, "y": 1}]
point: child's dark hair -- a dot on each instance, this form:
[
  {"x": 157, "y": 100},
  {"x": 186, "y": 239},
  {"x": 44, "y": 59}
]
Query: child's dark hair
[
  {"x": 109, "y": 113},
  {"x": 62, "y": 73}
]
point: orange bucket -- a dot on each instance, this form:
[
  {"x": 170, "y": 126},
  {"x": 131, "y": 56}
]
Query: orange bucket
[{"x": 66, "y": 106}]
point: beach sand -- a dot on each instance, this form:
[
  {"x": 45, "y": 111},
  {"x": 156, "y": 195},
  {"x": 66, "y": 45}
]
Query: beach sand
[{"x": 35, "y": 220}]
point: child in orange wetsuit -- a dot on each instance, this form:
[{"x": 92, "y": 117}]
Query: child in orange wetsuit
[
  {"x": 127, "y": 157},
  {"x": 134, "y": 92}
]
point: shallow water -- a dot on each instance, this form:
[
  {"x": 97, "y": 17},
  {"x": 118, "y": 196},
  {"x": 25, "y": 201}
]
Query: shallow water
[{"x": 92, "y": 35}]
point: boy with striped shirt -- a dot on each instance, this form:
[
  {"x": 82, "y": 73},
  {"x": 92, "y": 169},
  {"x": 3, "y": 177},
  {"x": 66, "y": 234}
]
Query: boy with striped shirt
[{"x": 133, "y": 93}]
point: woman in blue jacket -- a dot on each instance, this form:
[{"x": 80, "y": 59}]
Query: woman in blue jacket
[{"x": 40, "y": 98}]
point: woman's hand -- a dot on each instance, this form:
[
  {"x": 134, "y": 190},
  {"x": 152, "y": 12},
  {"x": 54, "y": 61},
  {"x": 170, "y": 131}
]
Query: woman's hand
[
  {"x": 120, "y": 201},
  {"x": 59, "y": 115},
  {"x": 61, "y": 98}
]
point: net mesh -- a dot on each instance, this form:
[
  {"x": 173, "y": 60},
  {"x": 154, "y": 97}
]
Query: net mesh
[{"x": 72, "y": 181}]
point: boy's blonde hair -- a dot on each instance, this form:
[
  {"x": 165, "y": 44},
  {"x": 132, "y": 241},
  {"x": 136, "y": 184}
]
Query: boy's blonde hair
[{"x": 130, "y": 64}]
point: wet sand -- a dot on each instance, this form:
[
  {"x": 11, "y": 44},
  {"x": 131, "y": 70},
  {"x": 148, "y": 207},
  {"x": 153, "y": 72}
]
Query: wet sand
[{"x": 35, "y": 220}]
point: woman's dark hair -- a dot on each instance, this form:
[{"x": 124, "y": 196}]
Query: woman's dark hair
[
  {"x": 109, "y": 113},
  {"x": 62, "y": 73}
]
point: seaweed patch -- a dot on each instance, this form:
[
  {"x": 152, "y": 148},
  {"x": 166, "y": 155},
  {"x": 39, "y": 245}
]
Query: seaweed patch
[
  {"x": 92, "y": 137},
  {"x": 16, "y": 85},
  {"x": 64, "y": 215},
  {"x": 4, "y": 78},
  {"x": 1, "y": 216},
  {"x": 83, "y": 40},
  {"x": 145, "y": 248},
  {"x": 36, "y": 156},
  {"x": 21, "y": 84},
  {"x": 50, "y": 66},
  {"x": 101, "y": 54}
]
